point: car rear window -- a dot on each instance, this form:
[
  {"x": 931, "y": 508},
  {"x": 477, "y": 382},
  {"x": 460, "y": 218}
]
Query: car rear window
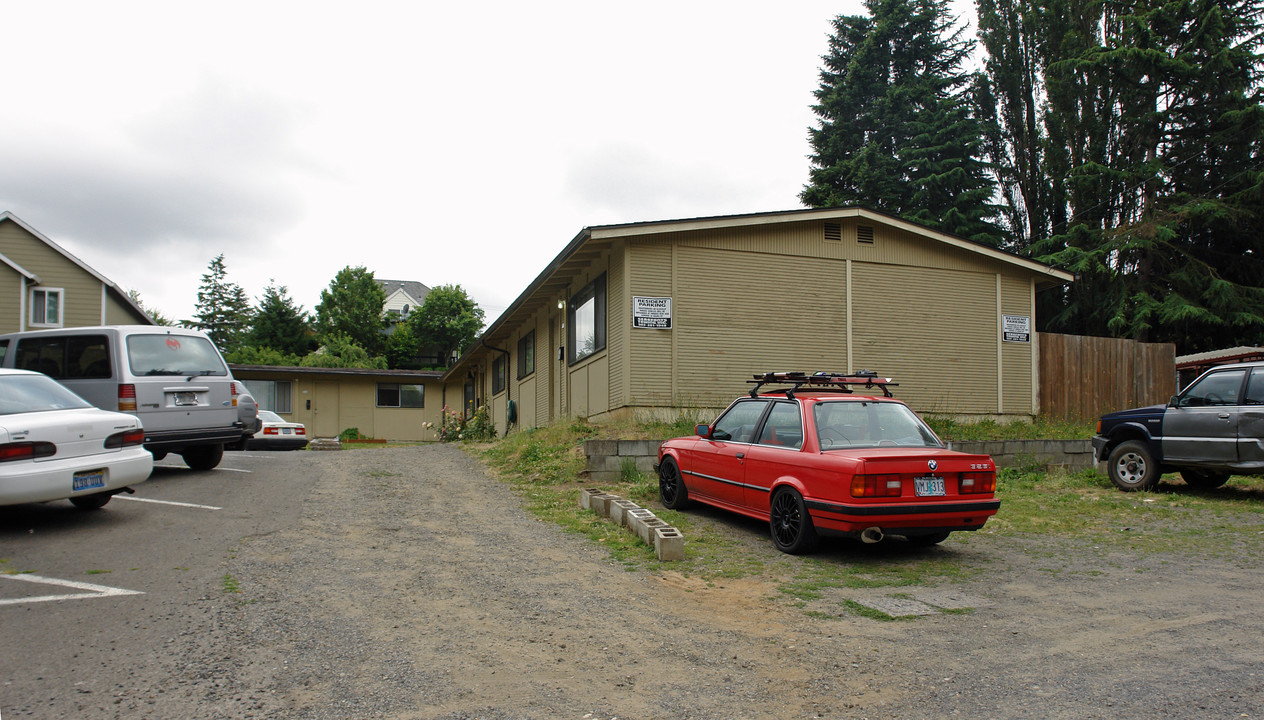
[
  {"x": 861, "y": 424},
  {"x": 153, "y": 355},
  {"x": 35, "y": 393}
]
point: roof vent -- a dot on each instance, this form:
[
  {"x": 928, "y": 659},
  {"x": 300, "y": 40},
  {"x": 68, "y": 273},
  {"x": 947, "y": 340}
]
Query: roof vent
[
  {"x": 833, "y": 231},
  {"x": 864, "y": 234}
]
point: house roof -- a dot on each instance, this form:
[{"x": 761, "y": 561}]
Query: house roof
[
  {"x": 1220, "y": 357},
  {"x": 121, "y": 295},
  {"x": 557, "y": 275},
  {"x": 356, "y": 372},
  {"x": 412, "y": 288}
]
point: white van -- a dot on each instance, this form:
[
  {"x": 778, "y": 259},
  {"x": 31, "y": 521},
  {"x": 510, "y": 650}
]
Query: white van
[{"x": 173, "y": 379}]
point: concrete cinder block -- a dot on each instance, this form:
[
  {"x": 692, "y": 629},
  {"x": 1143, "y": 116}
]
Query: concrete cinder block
[
  {"x": 669, "y": 544},
  {"x": 601, "y": 504},
  {"x": 585, "y": 497},
  {"x": 645, "y": 464},
  {"x": 638, "y": 447},
  {"x": 634, "y": 518},
  {"x": 647, "y": 527},
  {"x": 619, "y": 508},
  {"x": 603, "y": 463},
  {"x": 601, "y": 447}
]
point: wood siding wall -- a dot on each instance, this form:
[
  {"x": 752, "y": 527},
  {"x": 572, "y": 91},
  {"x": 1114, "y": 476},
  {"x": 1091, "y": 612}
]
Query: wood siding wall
[{"x": 1083, "y": 377}]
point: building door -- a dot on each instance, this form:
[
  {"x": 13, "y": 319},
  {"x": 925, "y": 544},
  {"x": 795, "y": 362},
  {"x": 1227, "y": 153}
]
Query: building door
[{"x": 325, "y": 410}]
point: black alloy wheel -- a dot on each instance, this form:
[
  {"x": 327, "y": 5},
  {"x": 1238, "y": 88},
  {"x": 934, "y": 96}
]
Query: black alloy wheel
[
  {"x": 792, "y": 530},
  {"x": 671, "y": 486}
]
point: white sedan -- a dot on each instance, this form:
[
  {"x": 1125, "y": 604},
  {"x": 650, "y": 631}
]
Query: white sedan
[
  {"x": 278, "y": 434},
  {"x": 54, "y": 445}
]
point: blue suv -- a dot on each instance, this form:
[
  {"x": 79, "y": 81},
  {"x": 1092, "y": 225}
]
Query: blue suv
[{"x": 1211, "y": 430}]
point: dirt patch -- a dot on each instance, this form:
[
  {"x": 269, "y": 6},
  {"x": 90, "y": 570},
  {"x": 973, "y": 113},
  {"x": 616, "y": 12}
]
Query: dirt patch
[{"x": 414, "y": 586}]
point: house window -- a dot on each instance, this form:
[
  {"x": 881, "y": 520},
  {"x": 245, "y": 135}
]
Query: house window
[
  {"x": 274, "y": 395},
  {"x": 401, "y": 395},
  {"x": 526, "y": 355},
  {"x": 46, "y": 307},
  {"x": 498, "y": 374},
  {"x": 586, "y": 320}
]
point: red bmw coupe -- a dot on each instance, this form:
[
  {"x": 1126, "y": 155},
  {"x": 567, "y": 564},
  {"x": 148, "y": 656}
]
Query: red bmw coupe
[{"x": 827, "y": 454}]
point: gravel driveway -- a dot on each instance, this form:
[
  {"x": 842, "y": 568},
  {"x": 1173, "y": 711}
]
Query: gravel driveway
[{"x": 414, "y": 586}]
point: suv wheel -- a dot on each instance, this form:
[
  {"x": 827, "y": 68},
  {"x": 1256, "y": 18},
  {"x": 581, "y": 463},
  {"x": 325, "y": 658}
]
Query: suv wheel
[
  {"x": 1204, "y": 479},
  {"x": 203, "y": 457},
  {"x": 1131, "y": 467}
]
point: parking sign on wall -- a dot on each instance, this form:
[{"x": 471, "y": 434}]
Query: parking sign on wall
[
  {"x": 1016, "y": 328},
  {"x": 651, "y": 312}
]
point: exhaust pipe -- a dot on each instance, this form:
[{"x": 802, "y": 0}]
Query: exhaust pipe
[{"x": 871, "y": 535}]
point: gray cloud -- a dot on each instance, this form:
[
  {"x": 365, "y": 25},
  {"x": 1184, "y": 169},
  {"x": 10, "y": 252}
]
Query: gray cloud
[{"x": 208, "y": 168}]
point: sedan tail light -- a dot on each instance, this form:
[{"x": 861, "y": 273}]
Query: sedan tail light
[
  {"x": 977, "y": 482},
  {"x": 885, "y": 485},
  {"x": 271, "y": 431},
  {"x": 300, "y": 431},
  {"x": 127, "y": 438},
  {"x": 127, "y": 398},
  {"x": 10, "y": 452}
]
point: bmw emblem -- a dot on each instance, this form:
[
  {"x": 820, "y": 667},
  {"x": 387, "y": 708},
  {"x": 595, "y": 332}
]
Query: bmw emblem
[{"x": 933, "y": 464}]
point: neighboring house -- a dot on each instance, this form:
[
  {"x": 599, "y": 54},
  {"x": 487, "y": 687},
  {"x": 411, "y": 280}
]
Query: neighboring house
[
  {"x": 1189, "y": 367},
  {"x": 385, "y": 404},
  {"x": 402, "y": 297},
  {"x": 650, "y": 318},
  {"x": 43, "y": 286}
]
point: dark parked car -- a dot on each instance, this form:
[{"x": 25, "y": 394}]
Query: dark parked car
[
  {"x": 821, "y": 458},
  {"x": 1211, "y": 430}
]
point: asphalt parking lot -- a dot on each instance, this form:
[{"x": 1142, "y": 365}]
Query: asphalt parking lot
[{"x": 86, "y": 598}]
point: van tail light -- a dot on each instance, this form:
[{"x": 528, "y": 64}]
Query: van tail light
[
  {"x": 233, "y": 392},
  {"x": 977, "y": 482},
  {"x": 127, "y": 398},
  {"x": 885, "y": 485},
  {"x": 127, "y": 438},
  {"x": 10, "y": 452}
]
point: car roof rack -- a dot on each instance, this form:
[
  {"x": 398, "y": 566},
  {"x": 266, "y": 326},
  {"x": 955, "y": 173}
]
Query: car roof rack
[{"x": 823, "y": 380}]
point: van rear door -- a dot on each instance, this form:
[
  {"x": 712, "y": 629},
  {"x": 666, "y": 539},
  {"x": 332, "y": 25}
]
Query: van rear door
[{"x": 181, "y": 382}]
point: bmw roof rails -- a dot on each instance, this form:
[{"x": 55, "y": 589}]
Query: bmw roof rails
[{"x": 823, "y": 380}]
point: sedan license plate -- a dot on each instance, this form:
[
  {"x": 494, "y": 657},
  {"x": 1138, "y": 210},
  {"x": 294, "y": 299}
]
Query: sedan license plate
[
  {"x": 928, "y": 486},
  {"x": 186, "y": 398},
  {"x": 88, "y": 480},
  {"x": 286, "y": 431}
]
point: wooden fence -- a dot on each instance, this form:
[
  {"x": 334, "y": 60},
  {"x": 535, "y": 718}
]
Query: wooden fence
[{"x": 1083, "y": 377}]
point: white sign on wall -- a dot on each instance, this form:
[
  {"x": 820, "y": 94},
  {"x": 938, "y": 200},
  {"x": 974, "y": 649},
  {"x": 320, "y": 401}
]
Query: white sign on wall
[
  {"x": 651, "y": 312},
  {"x": 1016, "y": 328}
]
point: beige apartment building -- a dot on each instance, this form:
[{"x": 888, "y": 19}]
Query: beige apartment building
[{"x": 647, "y": 318}]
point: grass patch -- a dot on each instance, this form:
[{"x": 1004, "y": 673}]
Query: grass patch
[
  {"x": 231, "y": 585},
  {"x": 1041, "y": 428}
]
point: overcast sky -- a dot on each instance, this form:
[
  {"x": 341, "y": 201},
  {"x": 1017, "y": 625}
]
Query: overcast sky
[{"x": 444, "y": 143}]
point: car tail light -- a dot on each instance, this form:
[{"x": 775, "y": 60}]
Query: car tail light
[
  {"x": 127, "y": 398},
  {"x": 233, "y": 392},
  {"x": 127, "y": 438},
  {"x": 26, "y": 451},
  {"x": 300, "y": 431},
  {"x": 885, "y": 485},
  {"x": 271, "y": 431},
  {"x": 977, "y": 482}
]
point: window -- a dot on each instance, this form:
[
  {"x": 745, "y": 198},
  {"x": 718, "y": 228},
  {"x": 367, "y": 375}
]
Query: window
[
  {"x": 77, "y": 358},
  {"x": 586, "y": 320},
  {"x": 738, "y": 424},
  {"x": 526, "y": 355},
  {"x": 46, "y": 307},
  {"x": 1254, "y": 391},
  {"x": 1218, "y": 388},
  {"x": 401, "y": 395},
  {"x": 783, "y": 427},
  {"x": 274, "y": 395},
  {"x": 498, "y": 374}
]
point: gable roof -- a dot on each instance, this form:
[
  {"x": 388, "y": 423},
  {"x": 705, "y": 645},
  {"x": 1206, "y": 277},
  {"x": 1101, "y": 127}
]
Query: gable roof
[
  {"x": 119, "y": 293},
  {"x": 557, "y": 275},
  {"x": 411, "y": 288}
]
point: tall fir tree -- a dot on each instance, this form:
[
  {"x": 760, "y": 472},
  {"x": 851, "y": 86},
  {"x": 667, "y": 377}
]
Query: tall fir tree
[
  {"x": 280, "y": 324},
  {"x": 898, "y": 131},
  {"x": 223, "y": 308}
]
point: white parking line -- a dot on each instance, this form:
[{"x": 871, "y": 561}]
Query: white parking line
[
  {"x": 218, "y": 469},
  {"x": 167, "y": 502},
  {"x": 93, "y": 591}
]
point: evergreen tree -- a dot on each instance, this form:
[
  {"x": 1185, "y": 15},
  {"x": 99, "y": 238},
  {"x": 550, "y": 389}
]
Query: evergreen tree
[
  {"x": 223, "y": 309},
  {"x": 447, "y": 321},
  {"x": 352, "y": 306},
  {"x": 280, "y": 324},
  {"x": 898, "y": 130},
  {"x": 155, "y": 315}
]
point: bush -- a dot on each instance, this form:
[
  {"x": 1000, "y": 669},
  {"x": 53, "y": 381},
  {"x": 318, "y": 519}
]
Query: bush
[
  {"x": 455, "y": 426},
  {"x": 351, "y": 434}
]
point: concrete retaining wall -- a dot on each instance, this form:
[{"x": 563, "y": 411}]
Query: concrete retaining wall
[{"x": 606, "y": 457}]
